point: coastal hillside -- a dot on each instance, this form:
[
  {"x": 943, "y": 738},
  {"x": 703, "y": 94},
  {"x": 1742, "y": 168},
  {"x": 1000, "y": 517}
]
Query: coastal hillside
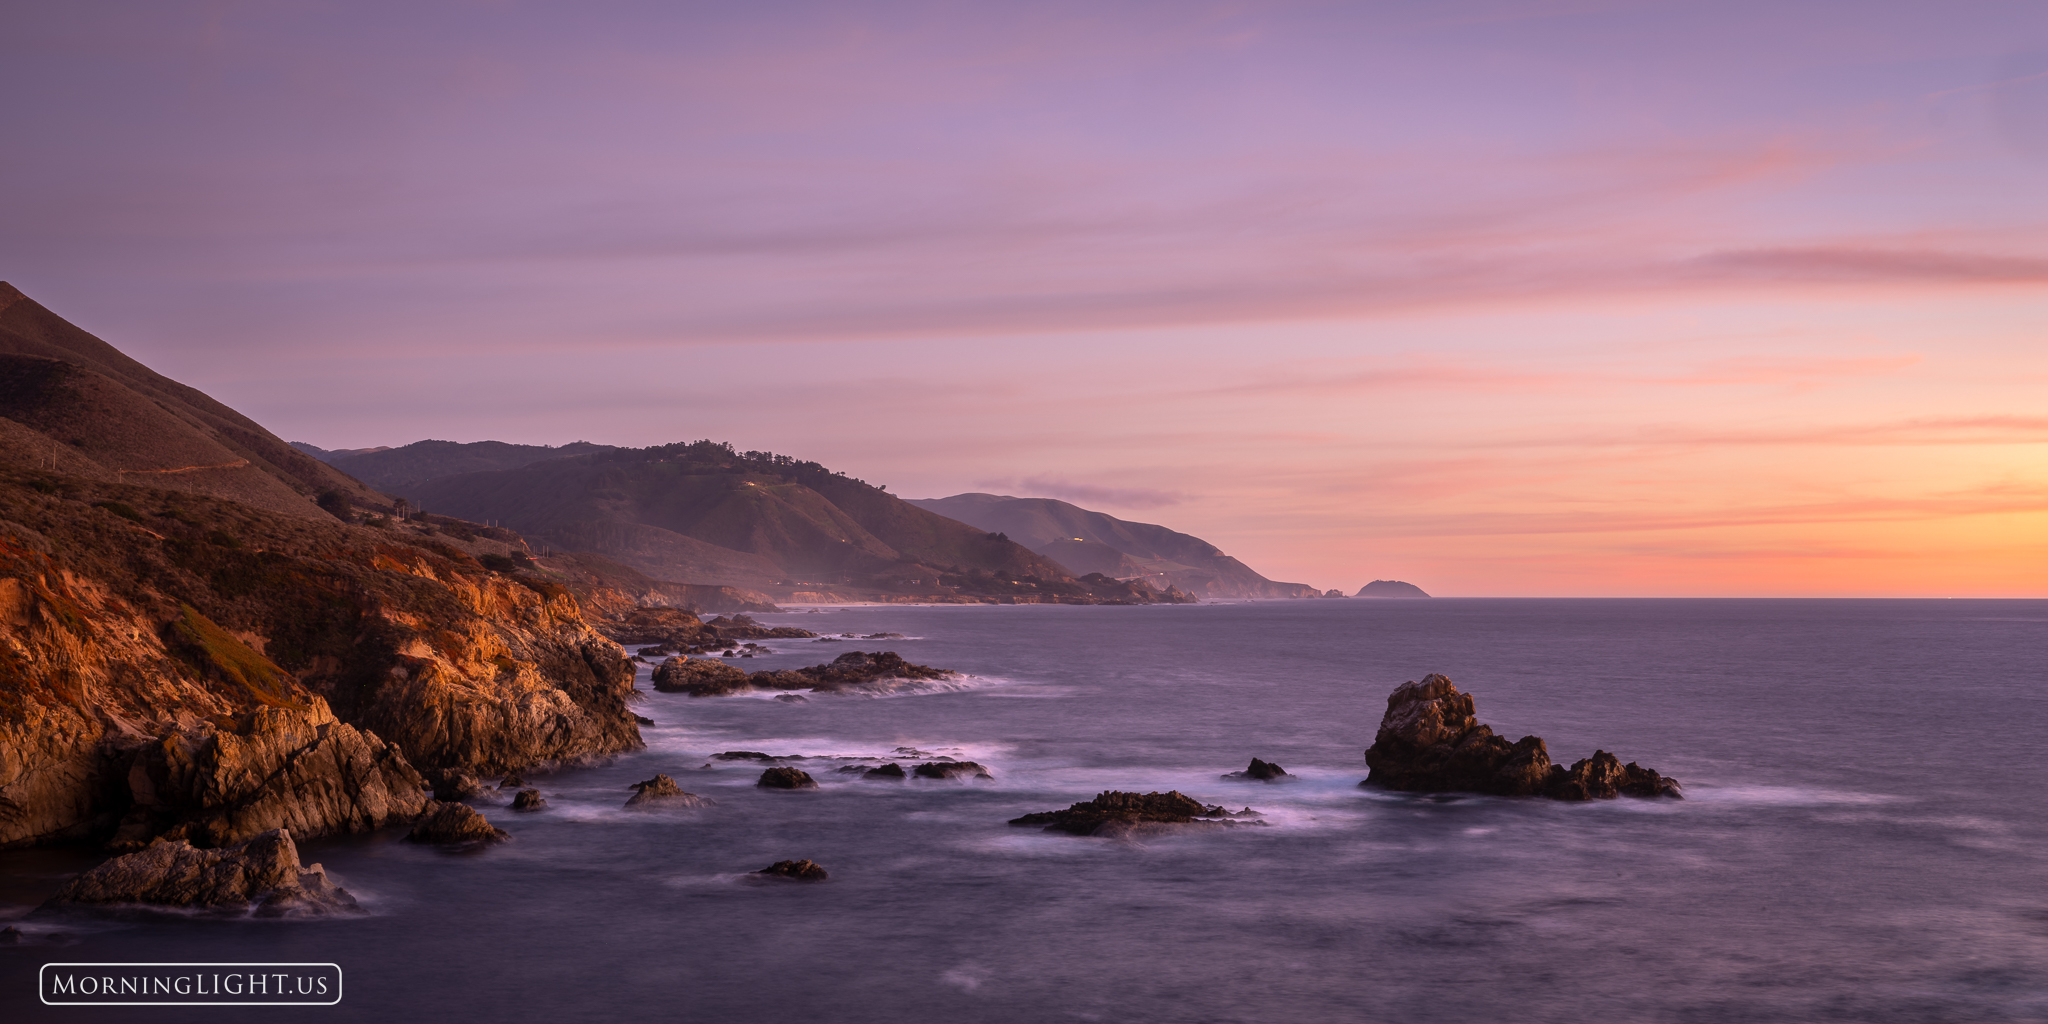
[
  {"x": 74, "y": 405},
  {"x": 396, "y": 470},
  {"x": 707, "y": 514},
  {"x": 209, "y": 655},
  {"x": 1086, "y": 541}
]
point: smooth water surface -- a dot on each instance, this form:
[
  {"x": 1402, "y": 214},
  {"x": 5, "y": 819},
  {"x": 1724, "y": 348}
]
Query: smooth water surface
[{"x": 1862, "y": 839}]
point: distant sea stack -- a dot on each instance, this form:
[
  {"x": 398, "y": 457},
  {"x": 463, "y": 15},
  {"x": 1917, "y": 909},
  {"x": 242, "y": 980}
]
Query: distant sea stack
[{"x": 1390, "y": 588}]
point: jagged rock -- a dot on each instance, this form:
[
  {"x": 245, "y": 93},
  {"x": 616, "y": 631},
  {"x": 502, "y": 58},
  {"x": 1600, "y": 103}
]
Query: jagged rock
[
  {"x": 454, "y": 824},
  {"x": 1604, "y": 777},
  {"x": 662, "y": 792},
  {"x": 1116, "y": 813},
  {"x": 643, "y": 720},
  {"x": 278, "y": 767},
  {"x": 952, "y": 770},
  {"x": 888, "y": 772},
  {"x": 529, "y": 800},
  {"x": 786, "y": 778},
  {"x": 512, "y": 782},
  {"x": 1430, "y": 741},
  {"x": 1260, "y": 771},
  {"x": 263, "y": 872},
  {"x": 800, "y": 870},
  {"x": 452, "y": 784}
]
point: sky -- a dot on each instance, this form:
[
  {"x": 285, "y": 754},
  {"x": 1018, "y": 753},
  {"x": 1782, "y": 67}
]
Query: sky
[{"x": 1499, "y": 298}]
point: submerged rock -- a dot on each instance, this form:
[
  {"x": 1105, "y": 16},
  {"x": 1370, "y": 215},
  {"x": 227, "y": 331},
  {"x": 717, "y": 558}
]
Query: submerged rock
[
  {"x": 703, "y": 677},
  {"x": 262, "y": 873},
  {"x": 892, "y": 772},
  {"x": 662, "y": 791},
  {"x": 1260, "y": 771},
  {"x": 800, "y": 870},
  {"x": 454, "y": 824},
  {"x": 952, "y": 770},
  {"x": 786, "y": 778},
  {"x": 1115, "y": 813},
  {"x": 529, "y": 800},
  {"x": 1431, "y": 741}
]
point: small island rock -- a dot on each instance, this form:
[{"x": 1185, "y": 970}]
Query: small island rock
[
  {"x": 786, "y": 778},
  {"x": 1260, "y": 771},
  {"x": 952, "y": 770},
  {"x": 662, "y": 791},
  {"x": 529, "y": 800},
  {"x": 454, "y": 824},
  {"x": 891, "y": 772},
  {"x": 1119, "y": 814},
  {"x": 800, "y": 870},
  {"x": 1390, "y": 588}
]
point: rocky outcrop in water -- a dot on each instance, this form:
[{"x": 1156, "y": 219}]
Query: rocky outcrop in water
[
  {"x": 261, "y": 874},
  {"x": 952, "y": 770},
  {"x": 854, "y": 670},
  {"x": 680, "y": 630},
  {"x": 662, "y": 792},
  {"x": 786, "y": 778},
  {"x": 1430, "y": 741},
  {"x": 1260, "y": 771},
  {"x": 529, "y": 800},
  {"x": 1117, "y": 814},
  {"x": 799, "y": 870},
  {"x": 453, "y": 825},
  {"x": 891, "y": 772}
]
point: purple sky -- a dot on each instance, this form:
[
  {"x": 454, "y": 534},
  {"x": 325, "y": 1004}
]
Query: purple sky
[{"x": 1501, "y": 298}]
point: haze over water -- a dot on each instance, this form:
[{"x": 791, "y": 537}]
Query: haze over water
[{"x": 1861, "y": 839}]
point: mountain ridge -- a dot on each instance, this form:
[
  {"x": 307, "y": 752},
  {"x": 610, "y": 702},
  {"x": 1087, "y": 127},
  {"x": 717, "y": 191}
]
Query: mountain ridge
[{"x": 1048, "y": 525}]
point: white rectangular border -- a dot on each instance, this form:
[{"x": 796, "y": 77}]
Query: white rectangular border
[{"x": 40, "y": 990}]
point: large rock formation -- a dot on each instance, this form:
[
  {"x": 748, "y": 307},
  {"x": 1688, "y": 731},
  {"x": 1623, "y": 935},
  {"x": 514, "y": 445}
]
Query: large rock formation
[
  {"x": 260, "y": 874},
  {"x": 1431, "y": 741}
]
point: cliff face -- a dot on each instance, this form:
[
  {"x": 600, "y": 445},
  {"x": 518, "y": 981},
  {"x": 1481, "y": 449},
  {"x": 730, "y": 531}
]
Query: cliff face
[{"x": 176, "y": 662}]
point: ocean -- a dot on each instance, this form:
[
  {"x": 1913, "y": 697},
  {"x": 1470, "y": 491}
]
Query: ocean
[{"x": 1862, "y": 837}]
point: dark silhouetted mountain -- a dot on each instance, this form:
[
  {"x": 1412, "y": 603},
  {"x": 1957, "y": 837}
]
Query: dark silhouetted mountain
[
  {"x": 398, "y": 470},
  {"x": 1055, "y": 529},
  {"x": 329, "y": 456},
  {"x": 74, "y": 404},
  {"x": 1390, "y": 588},
  {"x": 706, "y": 514}
]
